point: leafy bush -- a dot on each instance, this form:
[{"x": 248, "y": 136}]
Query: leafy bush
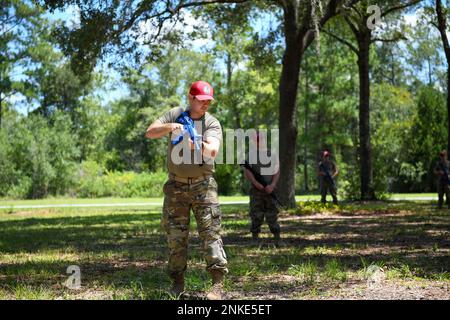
[
  {"x": 95, "y": 181},
  {"x": 38, "y": 156},
  {"x": 229, "y": 179},
  {"x": 21, "y": 189}
]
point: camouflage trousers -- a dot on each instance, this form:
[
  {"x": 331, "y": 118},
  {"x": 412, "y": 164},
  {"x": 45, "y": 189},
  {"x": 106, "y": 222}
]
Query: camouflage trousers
[
  {"x": 443, "y": 188},
  {"x": 202, "y": 198},
  {"x": 262, "y": 206},
  {"x": 325, "y": 187}
]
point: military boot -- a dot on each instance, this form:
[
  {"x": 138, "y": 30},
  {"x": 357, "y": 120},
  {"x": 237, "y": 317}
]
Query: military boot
[
  {"x": 255, "y": 239},
  {"x": 217, "y": 289},
  {"x": 177, "y": 285},
  {"x": 277, "y": 240}
]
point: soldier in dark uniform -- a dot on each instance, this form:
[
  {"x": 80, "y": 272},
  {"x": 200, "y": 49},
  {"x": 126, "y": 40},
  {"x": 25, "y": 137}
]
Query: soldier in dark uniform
[
  {"x": 262, "y": 205},
  {"x": 327, "y": 172},
  {"x": 441, "y": 171}
]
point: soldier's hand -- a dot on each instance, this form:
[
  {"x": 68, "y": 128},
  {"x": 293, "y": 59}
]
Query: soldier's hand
[
  {"x": 269, "y": 189},
  {"x": 191, "y": 144},
  {"x": 177, "y": 127},
  {"x": 259, "y": 186}
]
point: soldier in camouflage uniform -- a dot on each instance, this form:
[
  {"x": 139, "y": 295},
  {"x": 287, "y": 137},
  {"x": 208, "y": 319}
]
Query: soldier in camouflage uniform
[
  {"x": 441, "y": 171},
  {"x": 192, "y": 186},
  {"x": 327, "y": 184},
  {"x": 262, "y": 205}
]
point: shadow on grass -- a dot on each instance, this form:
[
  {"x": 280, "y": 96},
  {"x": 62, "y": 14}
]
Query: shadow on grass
[{"x": 126, "y": 250}]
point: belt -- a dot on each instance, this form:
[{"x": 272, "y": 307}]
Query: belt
[{"x": 188, "y": 180}]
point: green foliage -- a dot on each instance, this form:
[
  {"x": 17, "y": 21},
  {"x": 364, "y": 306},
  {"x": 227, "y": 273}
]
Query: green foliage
[
  {"x": 326, "y": 123},
  {"x": 335, "y": 271},
  {"x": 8, "y": 174},
  {"x": 392, "y": 117},
  {"x": 311, "y": 207},
  {"x": 308, "y": 272},
  {"x": 40, "y": 154},
  {"x": 39, "y": 158},
  {"x": 228, "y": 178},
  {"x": 94, "y": 182},
  {"x": 428, "y": 136}
]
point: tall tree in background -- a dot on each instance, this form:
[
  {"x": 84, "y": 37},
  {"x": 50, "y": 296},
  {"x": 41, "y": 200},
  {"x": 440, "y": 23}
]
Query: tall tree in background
[
  {"x": 441, "y": 25},
  {"x": 231, "y": 36},
  {"x": 360, "y": 19},
  {"x": 18, "y": 19},
  {"x": 328, "y": 123},
  {"x": 423, "y": 53},
  {"x": 301, "y": 24}
]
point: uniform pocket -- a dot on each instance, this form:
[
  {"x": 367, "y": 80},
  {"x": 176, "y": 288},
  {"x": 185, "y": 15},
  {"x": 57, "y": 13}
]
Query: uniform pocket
[
  {"x": 168, "y": 185},
  {"x": 212, "y": 183},
  {"x": 216, "y": 216}
]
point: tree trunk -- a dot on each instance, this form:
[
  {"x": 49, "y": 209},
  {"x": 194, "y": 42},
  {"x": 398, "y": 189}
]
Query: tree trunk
[
  {"x": 442, "y": 27},
  {"x": 298, "y": 37},
  {"x": 394, "y": 82},
  {"x": 287, "y": 121},
  {"x": 365, "y": 149},
  {"x": 233, "y": 103},
  {"x": 430, "y": 76},
  {"x": 305, "y": 144},
  {"x": 448, "y": 107},
  {"x": 1, "y": 109}
]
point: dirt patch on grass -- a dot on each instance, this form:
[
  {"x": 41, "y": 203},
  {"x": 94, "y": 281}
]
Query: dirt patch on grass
[
  {"x": 31, "y": 213},
  {"x": 395, "y": 290},
  {"x": 282, "y": 287}
]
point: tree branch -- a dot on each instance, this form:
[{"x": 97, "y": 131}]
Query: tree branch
[
  {"x": 395, "y": 39},
  {"x": 331, "y": 11},
  {"x": 352, "y": 26},
  {"x": 168, "y": 12},
  {"x": 342, "y": 40},
  {"x": 400, "y": 7},
  {"x": 442, "y": 27}
]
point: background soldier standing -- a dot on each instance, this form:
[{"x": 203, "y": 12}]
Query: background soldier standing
[
  {"x": 262, "y": 205},
  {"x": 192, "y": 186},
  {"x": 327, "y": 172},
  {"x": 441, "y": 170}
]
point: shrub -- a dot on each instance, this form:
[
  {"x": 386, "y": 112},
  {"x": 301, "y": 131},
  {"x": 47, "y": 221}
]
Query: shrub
[{"x": 94, "y": 181}]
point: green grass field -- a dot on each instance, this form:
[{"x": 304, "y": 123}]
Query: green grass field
[
  {"x": 65, "y": 200},
  {"x": 380, "y": 250}
]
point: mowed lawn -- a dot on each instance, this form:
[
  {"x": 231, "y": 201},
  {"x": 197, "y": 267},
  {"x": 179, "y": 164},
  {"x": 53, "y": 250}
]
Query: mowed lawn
[{"x": 393, "y": 250}]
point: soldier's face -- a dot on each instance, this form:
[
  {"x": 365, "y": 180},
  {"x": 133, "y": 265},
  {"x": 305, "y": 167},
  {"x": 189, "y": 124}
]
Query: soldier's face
[{"x": 199, "y": 106}]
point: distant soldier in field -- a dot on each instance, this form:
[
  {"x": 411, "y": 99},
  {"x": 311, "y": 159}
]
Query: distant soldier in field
[
  {"x": 192, "y": 186},
  {"x": 441, "y": 171},
  {"x": 262, "y": 204},
  {"x": 327, "y": 172}
]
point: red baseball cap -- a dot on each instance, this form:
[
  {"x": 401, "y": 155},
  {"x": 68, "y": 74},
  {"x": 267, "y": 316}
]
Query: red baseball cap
[
  {"x": 202, "y": 90},
  {"x": 326, "y": 153}
]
